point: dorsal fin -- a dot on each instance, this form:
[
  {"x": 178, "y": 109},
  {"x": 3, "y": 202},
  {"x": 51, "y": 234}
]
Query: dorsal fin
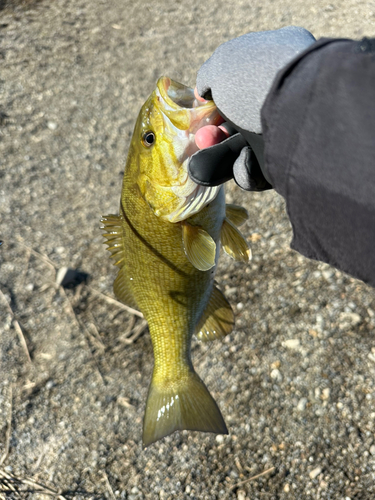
[
  {"x": 199, "y": 247},
  {"x": 235, "y": 214},
  {"x": 217, "y": 319},
  {"x": 234, "y": 244},
  {"x": 121, "y": 287},
  {"x": 113, "y": 235}
]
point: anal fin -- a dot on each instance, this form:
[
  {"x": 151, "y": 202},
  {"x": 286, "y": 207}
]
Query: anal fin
[
  {"x": 199, "y": 247},
  {"x": 217, "y": 319},
  {"x": 234, "y": 244},
  {"x": 235, "y": 214}
]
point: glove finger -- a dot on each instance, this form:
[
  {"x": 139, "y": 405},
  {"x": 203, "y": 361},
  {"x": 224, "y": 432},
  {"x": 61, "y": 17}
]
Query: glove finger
[
  {"x": 247, "y": 172},
  {"x": 214, "y": 165}
]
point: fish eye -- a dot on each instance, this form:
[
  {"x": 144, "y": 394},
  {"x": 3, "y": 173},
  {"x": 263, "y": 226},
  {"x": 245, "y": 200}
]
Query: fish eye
[{"x": 148, "y": 138}]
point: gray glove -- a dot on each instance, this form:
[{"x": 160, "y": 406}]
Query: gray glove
[{"x": 238, "y": 77}]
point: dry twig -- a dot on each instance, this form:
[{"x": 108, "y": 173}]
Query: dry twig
[
  {"x": 37, "y": 254},
  {"x": 109, "y": 487},
  {"x": 17, "y": 328},
  {"x": 251, "y": 478},
  {"x": 116, "y": 302},
  {"x": 11, "y": 483},
  {"x": 9, "y": 429},
  {"x": 80, "y": 328}
]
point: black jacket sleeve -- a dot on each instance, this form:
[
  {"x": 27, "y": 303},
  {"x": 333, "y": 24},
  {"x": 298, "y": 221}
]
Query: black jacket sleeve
[{"x": 318, "y": 124}]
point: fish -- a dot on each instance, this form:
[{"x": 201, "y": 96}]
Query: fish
[{"x": 165, "y": 242}]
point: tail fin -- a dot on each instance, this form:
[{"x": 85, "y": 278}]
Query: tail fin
[{"x": 185, "y": 404}]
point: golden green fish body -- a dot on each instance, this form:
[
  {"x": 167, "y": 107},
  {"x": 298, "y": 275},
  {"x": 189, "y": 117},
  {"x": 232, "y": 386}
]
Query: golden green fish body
[
  {"x": 166, "y": 287},
  {"x": 165, "y": 241}
]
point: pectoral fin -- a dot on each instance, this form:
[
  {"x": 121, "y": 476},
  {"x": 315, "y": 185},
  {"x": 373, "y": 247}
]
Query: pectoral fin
[
  {"x": 199, "y": 247},
  {"x": 113, "y": 235},
  {"x": 235, "y": 214},
  {"x": 234, "y": 244},
  {"x": 217, "y": 320}
]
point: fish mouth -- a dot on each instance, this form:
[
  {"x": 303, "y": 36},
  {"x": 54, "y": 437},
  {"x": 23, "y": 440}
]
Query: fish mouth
[
  {"x": 185, "y": 115},
  {"x": 176, "y": 95},
  {"x": 185, "y": 112}
]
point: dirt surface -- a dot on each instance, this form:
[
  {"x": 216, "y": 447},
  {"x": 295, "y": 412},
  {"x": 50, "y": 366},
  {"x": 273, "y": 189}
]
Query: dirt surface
[{"x": 296, "y": 379}]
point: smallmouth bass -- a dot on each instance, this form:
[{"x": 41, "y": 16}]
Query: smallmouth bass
[{"x": 166, "y": 242}]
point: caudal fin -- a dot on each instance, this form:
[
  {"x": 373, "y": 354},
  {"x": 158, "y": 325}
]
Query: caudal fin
[{"x": 186, "y": 404}]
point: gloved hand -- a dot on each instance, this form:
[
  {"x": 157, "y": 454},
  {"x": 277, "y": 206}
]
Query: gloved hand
[{"x": 238, "y": 77}]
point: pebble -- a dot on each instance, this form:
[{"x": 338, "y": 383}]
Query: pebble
[
  {"x": 372, "y": 449},
  {"x": 219, "y": 439},
  {"x": 302, "y": 404},
  {"x": 327, "y": 274},
  {"x": 315, "y": 472},
  {"x": 52, "y": 125},
  {"x": 291, "y": 343},
  {"x": 325, "y": 393},
  {"x": 276, "y": 375},
  {"x": 349, "y": 319}
]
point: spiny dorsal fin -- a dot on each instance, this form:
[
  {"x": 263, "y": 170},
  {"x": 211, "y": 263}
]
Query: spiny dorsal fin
[
  {"x": 113, "y": 235},
  {"x": 235, "y": 214},
  {"x": 217, "y": 319},
  {"x": 178, "y": 405},
  {"x": 199, "y": 247},
  {"x": 234, "y": 244},
  {"x": 122, "y": 290}
]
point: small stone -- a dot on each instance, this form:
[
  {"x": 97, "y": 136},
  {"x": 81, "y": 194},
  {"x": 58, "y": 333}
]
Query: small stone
[
  {"x": 327, "y": 274},
  {"x": 255, "y": 237},
  {"x": 52, "y": 125},
  {"x": 302, "y": 404},
  {"x": 315, "y": 472},
  {"x": 291, "y": 343},
  {"x": 349, "y": 319},
  {"x": 241, "y": 495},
  {"x": 240, "y": 306},
  {"x": 219, "y": 439},
  {"x": 29, "y": 287},
  {"x": 286, "y": 488},
  {"x": 372, "y": 449},
  {"x": 276, "y": 375},
  {"x": 187, "y": 489},
  {"x": 325, "y": 393}
]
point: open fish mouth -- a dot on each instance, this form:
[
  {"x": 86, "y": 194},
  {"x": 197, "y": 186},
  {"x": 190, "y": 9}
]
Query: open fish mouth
[
  {"x": 186, "y": 116},
  {"x": 176, "y": 94}
]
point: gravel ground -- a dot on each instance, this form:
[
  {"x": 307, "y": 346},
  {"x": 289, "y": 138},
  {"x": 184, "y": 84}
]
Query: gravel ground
[{"x": 295, "y": 380}]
